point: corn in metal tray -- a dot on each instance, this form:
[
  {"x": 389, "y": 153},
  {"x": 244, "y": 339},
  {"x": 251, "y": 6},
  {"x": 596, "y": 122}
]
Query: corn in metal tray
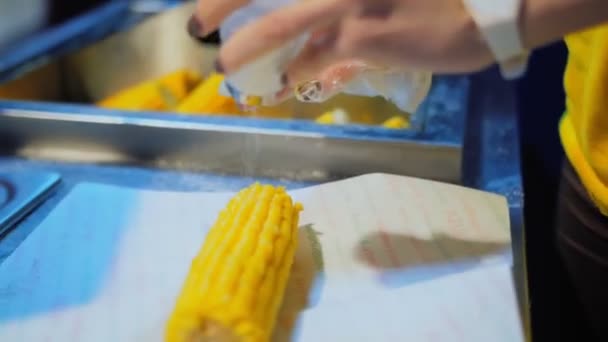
[{"x": 237, "y": 281}]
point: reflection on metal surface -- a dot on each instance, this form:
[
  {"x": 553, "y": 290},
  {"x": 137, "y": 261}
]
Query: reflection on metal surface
[
  {"x": 22, "y": 192},
  {"x": 223, "y": 149}
]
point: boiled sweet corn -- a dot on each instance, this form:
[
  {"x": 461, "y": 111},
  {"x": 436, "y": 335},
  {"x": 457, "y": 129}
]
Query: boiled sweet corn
[
  {"x": 206, "y": 99},
  {"x": 396, "y": 122},
  {"x": 334, "y": 117},
  {"x": 160, "y": 94},
  {"x": 236, "y": 283}
]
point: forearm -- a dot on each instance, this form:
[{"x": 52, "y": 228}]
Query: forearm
[{"x": 546, "y": 21}]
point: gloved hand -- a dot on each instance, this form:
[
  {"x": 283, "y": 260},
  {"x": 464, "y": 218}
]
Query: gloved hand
[
  {"x": 433, "y": 35},
  {"x": 325, "y": 84},
  {"x": 350, "y": 37}
]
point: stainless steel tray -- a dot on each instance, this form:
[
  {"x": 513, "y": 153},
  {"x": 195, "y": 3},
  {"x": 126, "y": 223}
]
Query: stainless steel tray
[
  {"x": 191, "y": 145},
  {"x": 159, "y": 44},
  {"x": 294, "y": 149}
]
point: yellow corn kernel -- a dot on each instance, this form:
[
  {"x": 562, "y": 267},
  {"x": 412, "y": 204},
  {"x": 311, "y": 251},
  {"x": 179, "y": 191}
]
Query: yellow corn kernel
[
  {"x": 237, "y": 281},
  {"x": 206, "y": 99},
  {"x": 396, "y": 122},
  {"x": 163, "y": 93},
  {"x": 253, "y": 101},
  {"x": 335, "y": 117}
]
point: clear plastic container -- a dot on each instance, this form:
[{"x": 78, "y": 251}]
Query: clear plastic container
[{"x": 262, "y": 78}]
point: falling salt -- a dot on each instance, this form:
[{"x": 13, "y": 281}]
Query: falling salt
[{"x": 251, "y": 150}]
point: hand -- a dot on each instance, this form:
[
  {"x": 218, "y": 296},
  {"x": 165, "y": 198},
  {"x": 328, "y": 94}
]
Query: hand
[
  {"x": 433, "y": 35},
  {"x": 325, "y": 84}
]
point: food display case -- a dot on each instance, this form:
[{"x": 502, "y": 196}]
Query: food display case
[{"x": 83, "y": 79}]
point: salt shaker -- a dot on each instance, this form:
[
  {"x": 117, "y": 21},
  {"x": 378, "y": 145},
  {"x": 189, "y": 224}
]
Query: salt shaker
[{"x": 259, "y": 81}]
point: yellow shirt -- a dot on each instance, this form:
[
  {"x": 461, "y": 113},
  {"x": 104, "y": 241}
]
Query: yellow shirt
[{"x": 584, "y": 126}]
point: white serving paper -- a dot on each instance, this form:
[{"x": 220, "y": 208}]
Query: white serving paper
[{"x": 380, "y": 258}]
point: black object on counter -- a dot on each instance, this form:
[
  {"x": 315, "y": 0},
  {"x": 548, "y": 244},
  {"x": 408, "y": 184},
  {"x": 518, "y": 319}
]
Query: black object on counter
[{"x": 63, "y": 10}]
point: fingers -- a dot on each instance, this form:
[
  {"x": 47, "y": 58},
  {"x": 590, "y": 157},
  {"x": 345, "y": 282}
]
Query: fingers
[
  {"x": 282, "y": 96},
  {"x": 317, "y": 54},
  {"x": 352, "y": 38},
  {"x": 325, "y": 85},
  {"x": 277, "y": 28},
  {"x": 331, "y": 81},
  {"x": 210, "y": 13}
]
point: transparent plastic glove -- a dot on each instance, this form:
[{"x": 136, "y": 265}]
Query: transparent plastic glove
[{"x": 405, "y": 89}]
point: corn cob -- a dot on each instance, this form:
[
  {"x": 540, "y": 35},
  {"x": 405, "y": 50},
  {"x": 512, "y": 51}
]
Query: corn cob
[
  {"x": 396, "y": 122},
  {"x": 335, "y": 117},
  {"x": 236, "y": 283},
  {"x": 206, "y": 99},
  {"x": 160, "y": 94}
]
